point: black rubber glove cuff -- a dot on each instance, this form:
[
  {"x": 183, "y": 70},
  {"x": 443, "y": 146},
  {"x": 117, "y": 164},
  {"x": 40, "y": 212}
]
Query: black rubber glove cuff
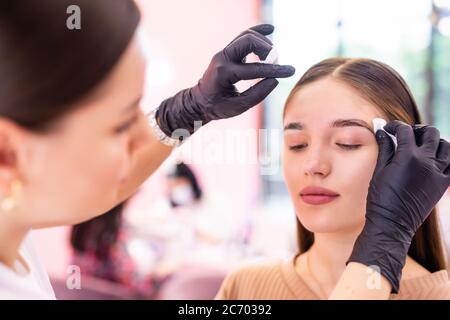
[{"x": 380, "y": 251}]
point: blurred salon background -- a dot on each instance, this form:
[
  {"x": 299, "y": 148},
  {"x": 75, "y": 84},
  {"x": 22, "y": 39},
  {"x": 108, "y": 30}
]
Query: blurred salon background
[{"x": 220, "y": 200}]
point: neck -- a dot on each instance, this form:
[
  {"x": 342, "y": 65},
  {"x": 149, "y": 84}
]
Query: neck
[
  {"x": 11, "y": 237},
  {"x": 329, "y": 253}
]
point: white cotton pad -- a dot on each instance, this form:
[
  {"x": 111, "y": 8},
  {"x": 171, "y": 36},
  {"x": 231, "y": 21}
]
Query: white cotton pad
[
  {"x": 378, "y": 124},
  {"x": 271, "y": 57}
]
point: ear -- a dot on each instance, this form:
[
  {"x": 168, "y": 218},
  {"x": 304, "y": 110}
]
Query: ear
[{"x": 12, "y": 154}]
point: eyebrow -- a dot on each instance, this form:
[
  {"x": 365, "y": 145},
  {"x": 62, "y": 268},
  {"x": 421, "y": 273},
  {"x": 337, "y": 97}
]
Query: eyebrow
[
  {"x": 132, "y": 105},
  {"x": 338, "y": 123}
]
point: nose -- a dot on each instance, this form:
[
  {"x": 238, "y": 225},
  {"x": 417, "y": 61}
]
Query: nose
[{"x": 317, "y": 162}]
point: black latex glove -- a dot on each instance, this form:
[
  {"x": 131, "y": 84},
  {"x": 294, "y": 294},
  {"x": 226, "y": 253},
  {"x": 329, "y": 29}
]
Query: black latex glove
[
  {"x": 404, "y": 189},
  {"x": 215, "y": 96}
]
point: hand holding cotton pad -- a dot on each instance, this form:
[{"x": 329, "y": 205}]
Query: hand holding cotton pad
[
  {"x": 378, "y": 124},
  {"x": 401, "y": 196}
]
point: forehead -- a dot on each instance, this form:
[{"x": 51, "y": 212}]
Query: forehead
[{"x": 327, "y": 99}]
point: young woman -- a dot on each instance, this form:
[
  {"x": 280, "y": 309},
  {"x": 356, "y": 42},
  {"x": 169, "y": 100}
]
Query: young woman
[
  {"x": 330, "y": 149},
  {"x": 73, "y": 141}
]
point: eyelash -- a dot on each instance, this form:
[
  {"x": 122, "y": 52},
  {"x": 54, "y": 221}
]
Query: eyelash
[
  {"x": 345, "y": 146},
  {"x": 125, "y": 127}
]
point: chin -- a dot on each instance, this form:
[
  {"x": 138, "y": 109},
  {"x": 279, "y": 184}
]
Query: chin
[
  {"x": 320, "y": 225},
  {"x": 96, "y": 206},
  {"x": 87, "y": 213},
  {"x": 326, "y": 221}
]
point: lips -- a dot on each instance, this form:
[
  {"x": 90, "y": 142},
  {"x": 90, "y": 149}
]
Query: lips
[{"x": 317, "y": 195}]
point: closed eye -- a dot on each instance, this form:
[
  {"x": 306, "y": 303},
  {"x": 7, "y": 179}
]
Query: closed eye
[
  {"x": 349, "y": 146},
  {"x": 298, "y": 147},
  {"x": 126, "y": 126}
]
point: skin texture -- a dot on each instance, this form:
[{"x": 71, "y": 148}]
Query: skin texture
[
  {"x": 93, "y": 158},
  {"x": 316, "y": 155}
]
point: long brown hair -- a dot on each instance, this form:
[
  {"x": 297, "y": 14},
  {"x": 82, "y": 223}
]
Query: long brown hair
[{"x": 385, "y": 88}]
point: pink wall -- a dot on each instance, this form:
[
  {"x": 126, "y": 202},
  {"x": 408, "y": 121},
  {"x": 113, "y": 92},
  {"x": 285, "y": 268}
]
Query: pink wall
[{"x": 184, "y": 35}]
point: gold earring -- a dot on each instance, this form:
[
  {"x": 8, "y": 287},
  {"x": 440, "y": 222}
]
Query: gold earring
[{"x": 11, "y": 201}]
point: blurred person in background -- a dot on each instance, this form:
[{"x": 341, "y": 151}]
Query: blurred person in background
[
  {"x": 183, "y": 187},
  {"x": 100, "y": 250},
  {"x": 185, "y": 228}
]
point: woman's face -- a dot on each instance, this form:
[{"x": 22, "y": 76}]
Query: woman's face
[
  {"x": 340, "y": 157},
  {"x": 74, "y": 172}
]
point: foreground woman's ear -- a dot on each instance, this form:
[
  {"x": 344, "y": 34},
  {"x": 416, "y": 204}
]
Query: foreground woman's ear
[{"x": 11, "y": 148}]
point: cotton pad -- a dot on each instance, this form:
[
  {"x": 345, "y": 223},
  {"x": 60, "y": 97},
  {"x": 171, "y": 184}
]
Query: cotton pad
[
  {"x": 271, "y": 57},
  {"x": 378, "y": 124}
]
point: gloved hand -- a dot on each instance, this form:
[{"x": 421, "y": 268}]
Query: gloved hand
[
  {"x": 405, "y": 187},
  {"x": 215, "y": 96}
]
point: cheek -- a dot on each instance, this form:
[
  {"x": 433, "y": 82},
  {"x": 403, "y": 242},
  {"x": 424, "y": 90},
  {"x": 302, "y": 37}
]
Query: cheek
[
  {"x": 353, "y": 182},
  {"x": 356, "y": 177},
  {"x": 291, "y": 170},
  {"x": 81, "y": 179},
  {"x": 105, "y": 164}
]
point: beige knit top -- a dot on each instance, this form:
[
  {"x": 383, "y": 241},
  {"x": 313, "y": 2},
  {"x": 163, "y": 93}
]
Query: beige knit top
[{"x": 280, "y": 281}]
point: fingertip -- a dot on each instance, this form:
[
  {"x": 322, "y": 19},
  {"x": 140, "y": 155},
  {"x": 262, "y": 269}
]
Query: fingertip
[
  {"x": 269, "y": 84},
  {"x": 264, "y": 29},
  {"x": 260, "y": 91},
  {"x": 290, "y": 70},
  {"x": 285, "y": 71},
  {"x": 380, "y": 135}
]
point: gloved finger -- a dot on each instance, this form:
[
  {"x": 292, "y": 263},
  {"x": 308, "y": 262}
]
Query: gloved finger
[
  {"x": 264, "y": 29},
  {"x": 429, "y": 139},
  {"x": 256, "y": 93},
  {"x": 261, "y": 70},
  {"x": 419, "y": 130},
  {"x": 386, "y": 150},
  {"x": 257, "y": 34},
  {"x": 443, "y": 151},
  {"x": 443, "y": 154},
  {"x": 241, "y": 47},
  {"x": 260, "y": 36},
  {"x": 259, "y": 31},
  {"x": 405, "y": 136}
]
